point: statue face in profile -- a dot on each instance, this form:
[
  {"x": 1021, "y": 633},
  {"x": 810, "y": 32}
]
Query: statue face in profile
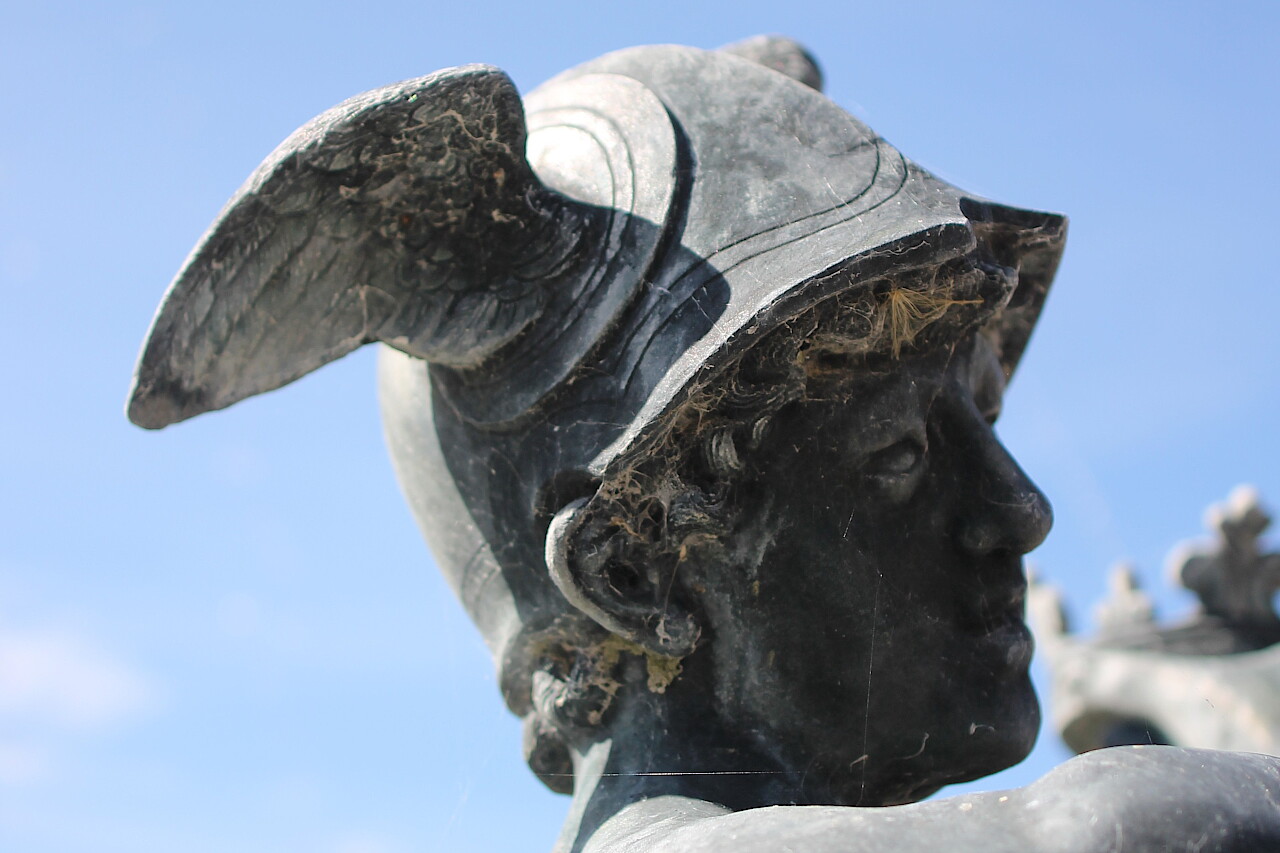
[
  {"x": 834, "y": 535},
  {"x": 873, "y": 629}
]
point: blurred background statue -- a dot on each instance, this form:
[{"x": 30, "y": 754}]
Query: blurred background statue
[{"x": 1210, "y": 681}]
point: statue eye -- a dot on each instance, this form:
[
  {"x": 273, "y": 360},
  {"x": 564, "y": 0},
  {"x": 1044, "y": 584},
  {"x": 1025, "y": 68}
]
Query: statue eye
[{"x": 897, "y": 460}]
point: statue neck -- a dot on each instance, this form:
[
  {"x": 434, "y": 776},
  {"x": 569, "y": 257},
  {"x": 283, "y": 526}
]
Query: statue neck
[{"x": 669, "y": 745}]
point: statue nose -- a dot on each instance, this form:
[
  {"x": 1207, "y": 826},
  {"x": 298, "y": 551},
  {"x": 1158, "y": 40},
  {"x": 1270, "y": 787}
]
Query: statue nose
[{"x": 1004, "y": 510}]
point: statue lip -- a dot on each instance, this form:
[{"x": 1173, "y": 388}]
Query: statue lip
[
  {"x": 1014, "y": 639},
  {"x": 997, "y": 605},
  {"x": 996, "y": 620}
]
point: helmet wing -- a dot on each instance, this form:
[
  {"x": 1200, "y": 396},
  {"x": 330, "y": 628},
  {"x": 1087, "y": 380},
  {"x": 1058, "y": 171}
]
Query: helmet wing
[{"x": 408, "y": 214}]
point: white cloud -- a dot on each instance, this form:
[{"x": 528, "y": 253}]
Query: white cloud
[{"x": 55, "y": 677}]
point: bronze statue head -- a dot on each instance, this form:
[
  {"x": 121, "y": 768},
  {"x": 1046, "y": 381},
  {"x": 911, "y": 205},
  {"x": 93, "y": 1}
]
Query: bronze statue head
[{"x": 691, "y": 396}]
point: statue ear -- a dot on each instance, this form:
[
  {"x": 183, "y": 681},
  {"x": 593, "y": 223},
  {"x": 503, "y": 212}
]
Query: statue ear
[{"x": 609, "y": 576}]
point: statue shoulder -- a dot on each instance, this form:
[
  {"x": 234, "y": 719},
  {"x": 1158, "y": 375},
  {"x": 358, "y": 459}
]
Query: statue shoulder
[
  {"x": 682, "y": 825},
  {"x": 1126, "y": 798},
  {"x": 1156, "y": 798}
]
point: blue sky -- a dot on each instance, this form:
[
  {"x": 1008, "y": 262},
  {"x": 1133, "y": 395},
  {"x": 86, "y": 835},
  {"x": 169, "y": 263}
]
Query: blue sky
[{"x": 229, "y": 636}]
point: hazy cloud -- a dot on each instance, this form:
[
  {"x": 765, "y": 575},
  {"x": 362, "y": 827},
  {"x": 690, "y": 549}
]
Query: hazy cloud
[
  {"x": 22, "y": 763},
  {"x": 55, "y": 677}
]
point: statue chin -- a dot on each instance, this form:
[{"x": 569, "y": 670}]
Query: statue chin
[
  {"x": 999, "y": 748},
  {"x": 962, "y": 757}
]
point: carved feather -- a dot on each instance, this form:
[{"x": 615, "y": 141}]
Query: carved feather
[{"x": 407, "y": 214}]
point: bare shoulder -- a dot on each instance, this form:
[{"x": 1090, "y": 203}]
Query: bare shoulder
[
  {"x": 1157, "y": 798},
  {"x": 1124, "y": 799},
  {"x": 673, "y": 825}
]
